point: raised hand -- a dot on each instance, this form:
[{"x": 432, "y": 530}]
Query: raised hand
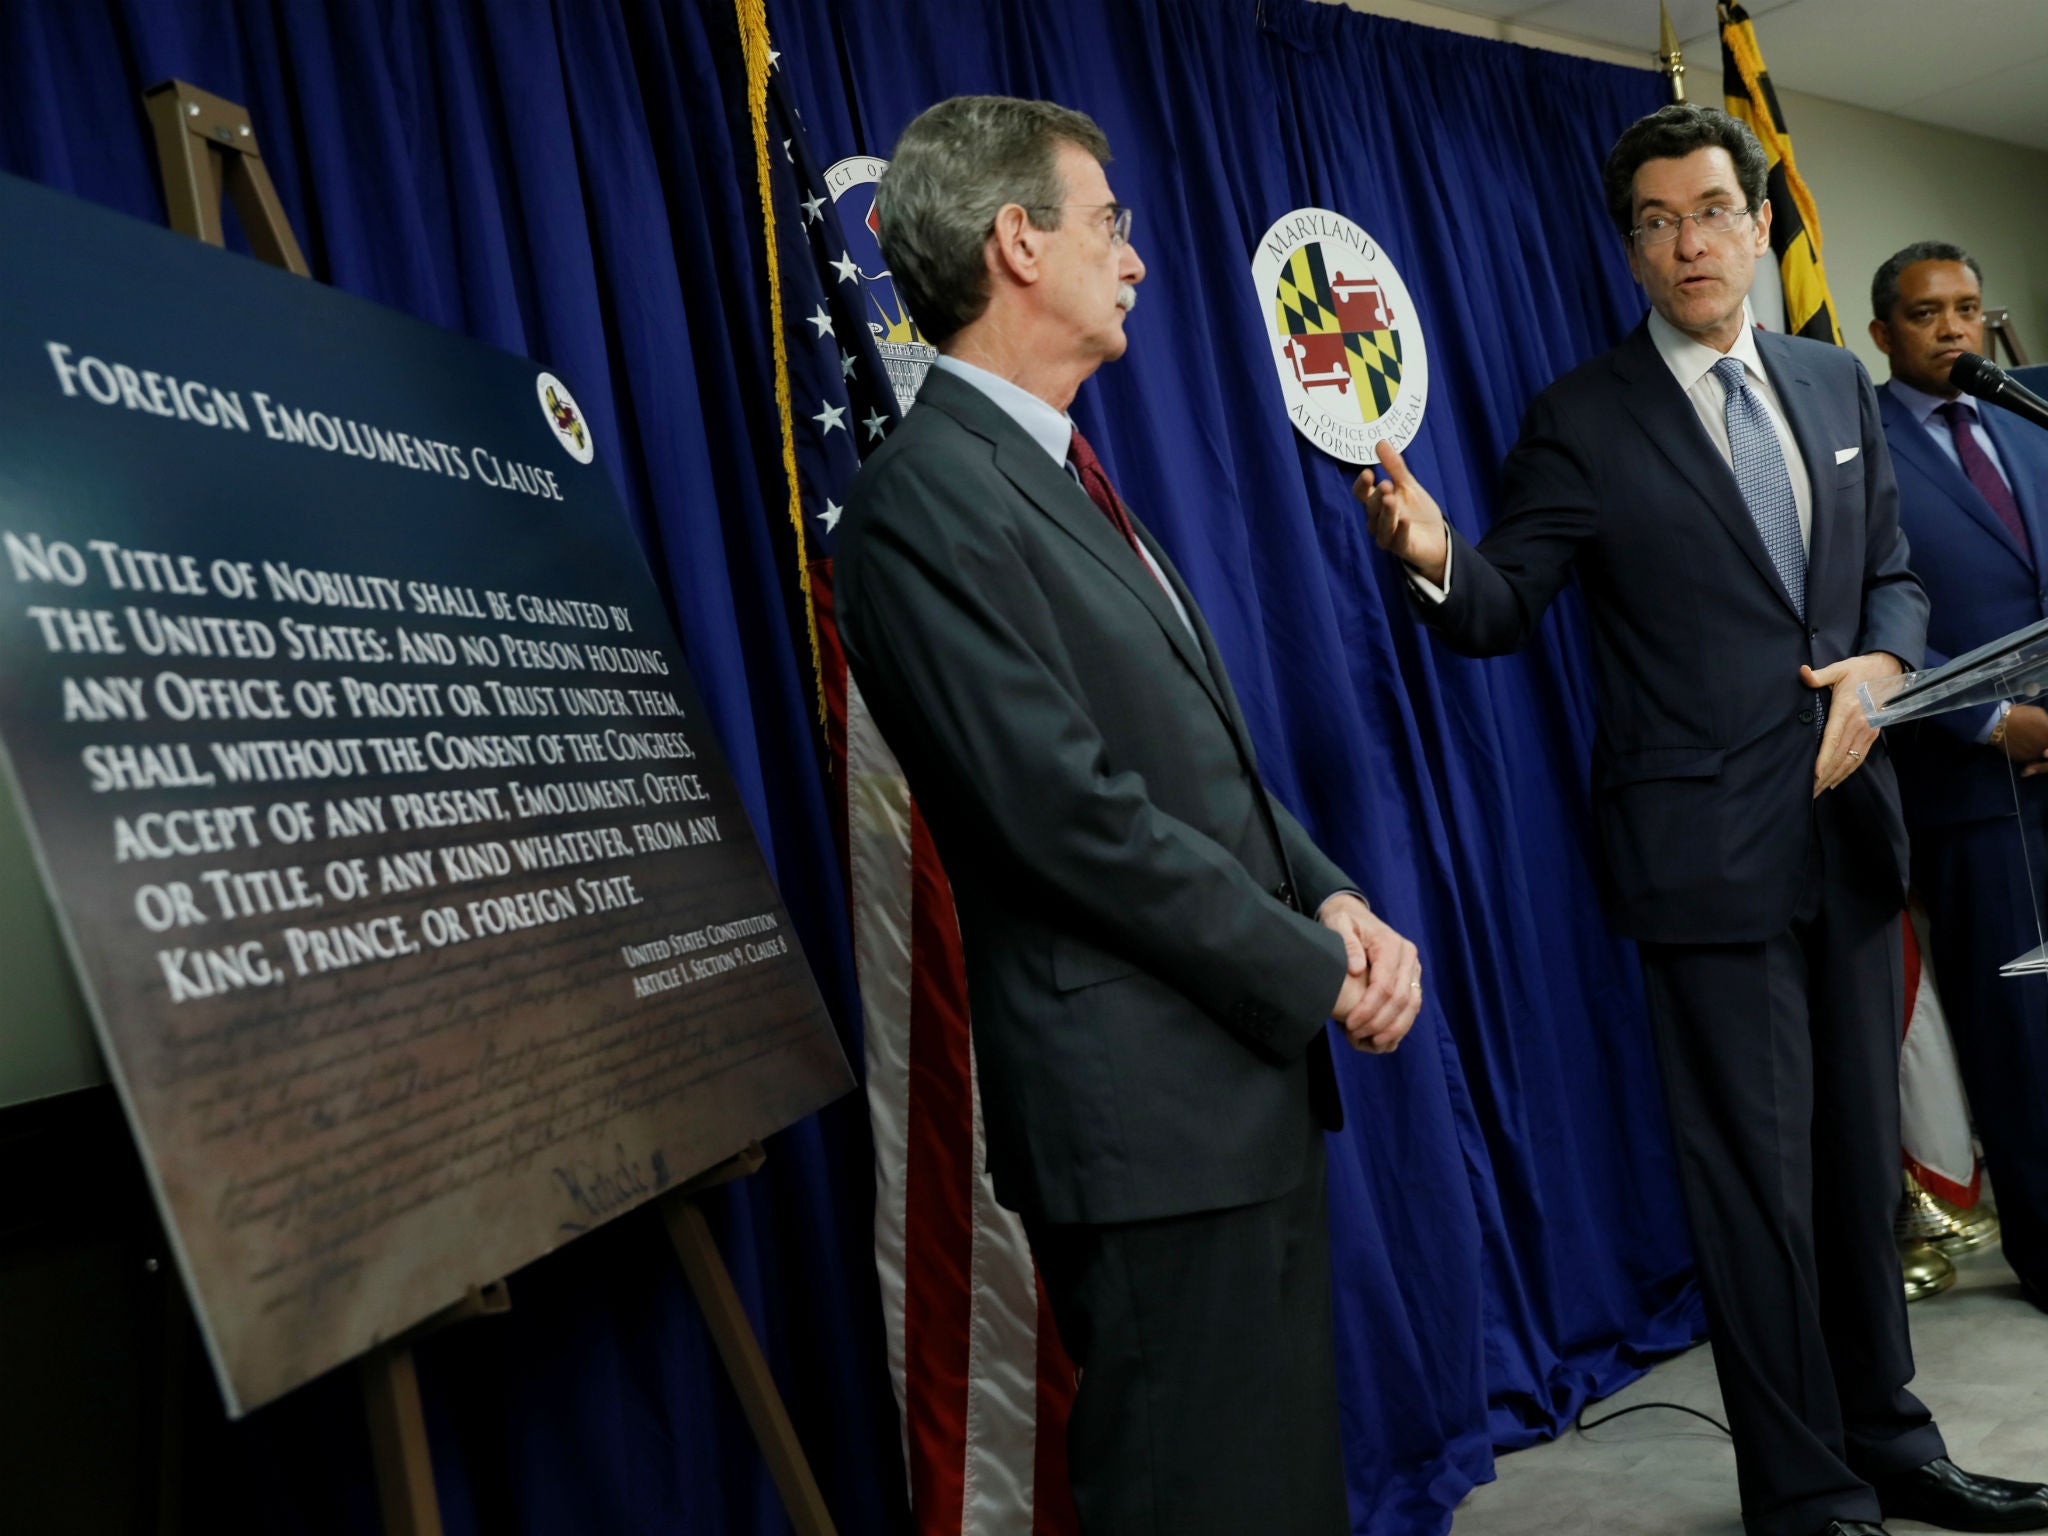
[{"x": 1403, "y": 517}]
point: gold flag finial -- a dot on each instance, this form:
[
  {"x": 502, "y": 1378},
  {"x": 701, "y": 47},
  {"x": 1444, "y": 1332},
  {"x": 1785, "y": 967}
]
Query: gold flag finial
[{"x": 1669, "y": 59}]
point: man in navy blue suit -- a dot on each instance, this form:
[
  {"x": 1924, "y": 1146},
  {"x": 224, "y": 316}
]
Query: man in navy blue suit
[
  {"x": 1973, "y": 499},
  {"x": 1724, "y": 497}
]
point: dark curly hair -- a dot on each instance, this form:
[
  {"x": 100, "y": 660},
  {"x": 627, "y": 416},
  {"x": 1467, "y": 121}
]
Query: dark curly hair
[{"x": 1672, "y": 133}]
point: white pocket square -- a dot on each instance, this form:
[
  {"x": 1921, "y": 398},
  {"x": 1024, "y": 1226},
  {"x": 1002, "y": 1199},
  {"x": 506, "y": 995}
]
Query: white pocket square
[{"x": 1844, "y": 455}]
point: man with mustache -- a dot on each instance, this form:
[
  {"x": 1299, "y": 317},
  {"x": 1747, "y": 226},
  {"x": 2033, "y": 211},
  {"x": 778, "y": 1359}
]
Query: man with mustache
[
  {"x": 1725, "y": 499},
  {"x": 1153, "y": 944},
  {"x": 1973, "y": 498}
]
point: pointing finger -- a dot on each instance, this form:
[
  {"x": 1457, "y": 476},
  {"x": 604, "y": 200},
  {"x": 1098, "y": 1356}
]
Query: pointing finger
[{"x": 1395, "y": 466}]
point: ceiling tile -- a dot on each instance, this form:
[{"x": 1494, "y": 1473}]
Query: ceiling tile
[{"x": 2011, "y": 105}]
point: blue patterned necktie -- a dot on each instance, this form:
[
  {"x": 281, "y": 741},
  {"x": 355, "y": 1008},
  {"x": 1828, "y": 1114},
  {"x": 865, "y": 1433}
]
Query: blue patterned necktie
[{"x": 1759, "y": 464}]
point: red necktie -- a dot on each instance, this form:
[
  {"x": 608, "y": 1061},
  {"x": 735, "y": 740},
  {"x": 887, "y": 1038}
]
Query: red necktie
[
  {"x": 1095, "y": 481},
  {"x": 1983, "y": 474}
]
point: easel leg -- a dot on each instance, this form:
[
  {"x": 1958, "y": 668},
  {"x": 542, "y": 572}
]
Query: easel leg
[
  {"x": 741, "y": 1353},
  {"x": 398, "y": 1443},
  {"x": 174, "y": 1353}
]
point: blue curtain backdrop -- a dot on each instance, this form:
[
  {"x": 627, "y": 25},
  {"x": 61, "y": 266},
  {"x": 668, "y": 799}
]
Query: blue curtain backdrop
[{"x": 575, "y": 183}]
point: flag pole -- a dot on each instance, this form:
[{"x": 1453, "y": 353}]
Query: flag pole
[{"x": 1669, "y": 59}]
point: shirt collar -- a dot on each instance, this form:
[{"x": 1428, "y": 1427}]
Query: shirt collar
[
  {"x": 1690, "y": 360},
  {"x": 1921, "y": 404},
  {"x": 1052, "y": 430}
]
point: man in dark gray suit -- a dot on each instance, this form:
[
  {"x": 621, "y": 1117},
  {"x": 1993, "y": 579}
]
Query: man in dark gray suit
[
  {"x": 1725, "y": 497},
  {"x": 1153, "y": 944}
]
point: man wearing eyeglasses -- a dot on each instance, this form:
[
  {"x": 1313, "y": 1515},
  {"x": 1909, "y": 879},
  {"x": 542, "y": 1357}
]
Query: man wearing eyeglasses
[
  {"x": 1153, "y": 944},
  {"x": 1726, "y": 500}
]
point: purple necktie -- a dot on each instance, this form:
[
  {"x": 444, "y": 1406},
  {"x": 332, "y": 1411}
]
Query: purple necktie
[{"x": 1984, "y": 475}]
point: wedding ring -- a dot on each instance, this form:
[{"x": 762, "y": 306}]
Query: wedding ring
[
  {"x": 1415, "y": 986},
  {"x": 1854, "y": 753}
]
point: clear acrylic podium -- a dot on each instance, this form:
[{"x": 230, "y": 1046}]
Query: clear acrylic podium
[{"x": 2013, "y": 667}]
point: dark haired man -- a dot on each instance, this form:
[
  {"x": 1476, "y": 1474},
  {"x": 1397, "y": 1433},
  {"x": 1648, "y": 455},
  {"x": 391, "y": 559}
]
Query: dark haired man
[
  {"x": 1148, "y": 988},
  {"x": 1725, "y": 498},
  {"x": 1973, "y": 498}
]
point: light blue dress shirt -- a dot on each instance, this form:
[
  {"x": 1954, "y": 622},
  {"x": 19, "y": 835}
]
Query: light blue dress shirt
[{"x": 1922, "y": 406}]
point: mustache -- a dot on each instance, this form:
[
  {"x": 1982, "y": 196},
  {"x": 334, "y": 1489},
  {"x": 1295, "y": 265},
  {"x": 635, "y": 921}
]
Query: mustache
[{"x": 1126, "y": 297}]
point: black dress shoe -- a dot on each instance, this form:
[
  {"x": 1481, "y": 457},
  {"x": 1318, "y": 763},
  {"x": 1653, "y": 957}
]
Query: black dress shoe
[
  {"x": 1853, "y": 1528},
  {"x": 1942, "y": 1493}
]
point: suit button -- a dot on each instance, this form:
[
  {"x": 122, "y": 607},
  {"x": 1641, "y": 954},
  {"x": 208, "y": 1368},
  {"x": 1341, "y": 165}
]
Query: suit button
[
  {"x": 1806, "y": 717},
  {"x": 1813, "y": 634}
]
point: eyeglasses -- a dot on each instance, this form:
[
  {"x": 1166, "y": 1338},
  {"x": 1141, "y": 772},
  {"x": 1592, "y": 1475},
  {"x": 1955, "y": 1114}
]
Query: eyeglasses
[
  {"x": 1116, "y": 215},
  {"x": 1662, "y": 228}
]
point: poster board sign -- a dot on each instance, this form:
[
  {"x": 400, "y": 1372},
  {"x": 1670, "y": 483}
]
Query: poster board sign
[{"x": 421, "y": 923}]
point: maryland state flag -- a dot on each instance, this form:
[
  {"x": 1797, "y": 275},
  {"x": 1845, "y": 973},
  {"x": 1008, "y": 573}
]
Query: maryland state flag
[
  {"x": 1795, "y": 227},
  {"x": 1339, "y": 332}
]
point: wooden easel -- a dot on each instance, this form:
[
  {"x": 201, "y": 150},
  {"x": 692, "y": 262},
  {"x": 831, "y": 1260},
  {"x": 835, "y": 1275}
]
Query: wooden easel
[
  {"x": 738, "y": 1347},
  {"x": 398, "y": 1429},
  {"x": 207, "y": 146},
  {"x": 398, "y": 1424},
  {"x": 1998, "y": 331}
]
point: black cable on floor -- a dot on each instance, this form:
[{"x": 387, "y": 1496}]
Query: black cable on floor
[{"x": 1582, "y": 1423}]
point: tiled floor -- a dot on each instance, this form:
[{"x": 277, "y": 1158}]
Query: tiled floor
[{"x": 1983, "y": 1359}]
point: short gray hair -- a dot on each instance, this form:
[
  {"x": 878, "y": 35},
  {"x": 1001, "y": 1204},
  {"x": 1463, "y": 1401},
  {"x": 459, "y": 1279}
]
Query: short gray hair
[
  {"x": 955, "y": 167},
  {"x": 1884, "y": 287}
]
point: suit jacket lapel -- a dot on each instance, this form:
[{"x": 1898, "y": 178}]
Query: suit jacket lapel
[
  {"x": 2020, "y": 446},
  {"x": 1667, "y": 418},
  {"x": 1914, "y": 444},
  {"x": 1059, "y": 496}
]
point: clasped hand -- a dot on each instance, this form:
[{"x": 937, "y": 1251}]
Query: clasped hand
[{"x": 1382, "y": 989}]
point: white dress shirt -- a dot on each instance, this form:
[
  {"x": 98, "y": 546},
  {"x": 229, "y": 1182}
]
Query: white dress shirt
[
  {"x": 1692, "y": 365},
  {"x": 1052, "y": 430}
]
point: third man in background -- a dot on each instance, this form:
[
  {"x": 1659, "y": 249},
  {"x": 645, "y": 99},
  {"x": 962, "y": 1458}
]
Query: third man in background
[{"x": 1973, "y": 499}]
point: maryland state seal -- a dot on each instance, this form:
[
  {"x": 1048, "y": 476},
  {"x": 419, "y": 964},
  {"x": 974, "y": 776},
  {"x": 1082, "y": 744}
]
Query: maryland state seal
[
  {"x": 906, "y": 354},
  {"x": 1346, "y": 341},
  {"x": 559, "y": 407}
]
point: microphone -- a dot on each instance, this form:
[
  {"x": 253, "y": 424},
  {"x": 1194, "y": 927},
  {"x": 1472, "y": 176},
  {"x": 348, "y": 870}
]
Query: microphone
[{"x": 1974, "y": 375}]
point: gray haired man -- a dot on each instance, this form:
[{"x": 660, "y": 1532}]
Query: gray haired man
[{"x": 1154, "y": 946}]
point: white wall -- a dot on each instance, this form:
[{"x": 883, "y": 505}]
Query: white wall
[
  {"x": 1882, "y": 182},
  {"x": 1879, "y": 182}
]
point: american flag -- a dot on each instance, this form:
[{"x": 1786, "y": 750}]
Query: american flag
[{"x": 982, "y": 1384}]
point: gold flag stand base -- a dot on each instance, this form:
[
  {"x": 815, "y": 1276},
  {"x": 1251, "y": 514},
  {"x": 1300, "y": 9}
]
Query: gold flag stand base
[
  {"x": 1926, "y": 1217},
  {"x": 1925, "y": 1270}
]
